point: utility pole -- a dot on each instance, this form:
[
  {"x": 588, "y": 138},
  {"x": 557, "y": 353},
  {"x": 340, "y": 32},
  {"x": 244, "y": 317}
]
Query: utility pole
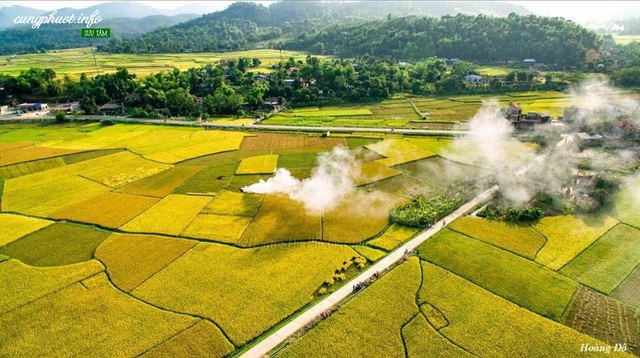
[{"x": 95, "y": 63}]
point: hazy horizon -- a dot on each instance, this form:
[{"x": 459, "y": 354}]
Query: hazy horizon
[{"x": 584, "y": 12}]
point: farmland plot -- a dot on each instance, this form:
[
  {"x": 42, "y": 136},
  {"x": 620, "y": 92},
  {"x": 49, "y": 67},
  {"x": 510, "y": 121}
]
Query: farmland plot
[
  {"x": 56, "y": 245},
  {"x": 606, "y": 319},
  {"x": 629, "y": 291},
  {"x": 370, "y": 328},
  {"x": 515, "y": 278},
  {"x": 567, "y": 236},
  {"x": 488, "y": 325},
  {"x": 240, "y": 286},
  {"x": 606, "y": 263},
  {"x": 21, "y": 284},
  {"x": 281, "y": 219},
  {"x": 110, "y": 210},
  {"x": 393, "y": 236},
  {"x": 169, "y": 216},
  {"x": 98, "y": 321},
  {"x": 131, "y": 259},
  {"x": 358, "y": 217},
  {"x": 161, "y": 184},
  {"x": 13, "y": 227},
  {"x": 265, "y": 164},
  {"x": 520, "y": 239},
  {"x": 203, "y": 339}
]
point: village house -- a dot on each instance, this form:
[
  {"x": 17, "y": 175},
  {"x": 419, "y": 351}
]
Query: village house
[
  {"x": 69, "y": 107},
  {"x": 111, "y": 109},
  {"x": 473, "y": 78},
  {"x": 30, "y": 107}
]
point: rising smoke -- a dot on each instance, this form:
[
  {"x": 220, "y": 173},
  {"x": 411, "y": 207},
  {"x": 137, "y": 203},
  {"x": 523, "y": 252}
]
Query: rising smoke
[
  {"x": 331, "y": 181},
  {"x": 552, "y": 171}
]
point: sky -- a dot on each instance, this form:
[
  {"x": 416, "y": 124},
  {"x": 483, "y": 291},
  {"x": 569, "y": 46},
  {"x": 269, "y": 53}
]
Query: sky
[{"x": 579, "y": 11}]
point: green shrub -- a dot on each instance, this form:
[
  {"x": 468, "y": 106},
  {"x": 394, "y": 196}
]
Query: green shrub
[
  {"x": 423, "y": 213},
  {"x": 60, "y": 116}
]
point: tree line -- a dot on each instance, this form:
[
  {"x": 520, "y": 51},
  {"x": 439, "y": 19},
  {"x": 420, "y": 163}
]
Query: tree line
[
  {"x": 481, "y": 39},
  {"x": 230, "y": 87}
]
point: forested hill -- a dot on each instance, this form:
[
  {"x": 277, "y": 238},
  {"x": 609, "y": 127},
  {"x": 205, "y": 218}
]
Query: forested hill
[
  {"x": 24, "y": 39},
  {"x": 244, "y": 25},
  {"x": 472, "y": 38}
]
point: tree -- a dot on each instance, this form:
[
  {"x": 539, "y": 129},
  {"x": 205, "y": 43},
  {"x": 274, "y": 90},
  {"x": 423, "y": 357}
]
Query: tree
[
  {"x": 180, "y": 102},
  {"x": 60, "y": 117},
  {"x": 88, "y": 105}
]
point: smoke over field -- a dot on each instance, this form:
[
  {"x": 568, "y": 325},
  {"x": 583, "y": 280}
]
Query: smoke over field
[
  {"x": 600, "y": 110},
  {"x": 331, "y": 181}
]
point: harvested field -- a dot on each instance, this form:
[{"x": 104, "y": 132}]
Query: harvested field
[
  {"x": 110, "y": 210},
  {"x": 232, "y": 203},
  {"x": 218, "y": 159},
  {"x": 372, "y": 172},
  {"x": 520, "y": 239},
  {"x": 56, "y": 245},
  {"x": 239, "y": 287},
  {"x": 281, "y": 219},
  {"x": 392, "y": 147},
  {"x": 116, "y": 323},
  {"x": 13, "y": 227},
  {"x": 291, "y": 161},
  {"x": 567, "y": 236},
  {"x": 629, "y": 291},
  {"x": 606, "y": 263},
  {"x": 22, "y": 284},
  {"x": 606, "y": 319},
  {"x": 240, "y": 181},
  {"x": 169, "y": 216},
  {"x": 393, "y": 236},
  {"x": 403, "y": 185},
  {"x": 161, "y": 184},
  {"x": 132, "y": 259},
  {"x": 29, "y": 153},
  {"x": 370, "y": 328},
  {"x": 405, "y": 158},
  {"x": 517, "y": 279},
  {"x": 273, "y": 141},
  {"x": 438, "y": 172},
  {"x": 264, "y": 164},
  {"x": 81, "y": 157},
  {"x": 210, "y": 180},
  {"x": 220, "y": 228},
  {"x": 20, "y": 169},
  {"x": 355, "y": 142}
]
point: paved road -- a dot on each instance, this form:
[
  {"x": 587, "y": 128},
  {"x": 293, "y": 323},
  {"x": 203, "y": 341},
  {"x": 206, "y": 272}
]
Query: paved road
[
  {"x": 279, "y": 336},
  {"x": 283, "y": 127}
]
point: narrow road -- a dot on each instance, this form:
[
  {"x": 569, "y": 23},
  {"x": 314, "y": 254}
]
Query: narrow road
[
  {"x": 279, "y": 336},
  {"x": 261, "y": 126}
]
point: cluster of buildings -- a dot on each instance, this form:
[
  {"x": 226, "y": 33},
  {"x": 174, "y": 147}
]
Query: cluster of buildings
[{"x": 108, "y": 109}]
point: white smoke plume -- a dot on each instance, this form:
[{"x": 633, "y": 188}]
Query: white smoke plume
[
  {"x": 330, "y": 182},
  {"x": 490, "y": 141}
]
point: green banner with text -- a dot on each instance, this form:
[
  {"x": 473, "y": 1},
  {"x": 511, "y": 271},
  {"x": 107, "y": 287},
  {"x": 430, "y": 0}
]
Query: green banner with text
[{"x": 96, "y": 32}]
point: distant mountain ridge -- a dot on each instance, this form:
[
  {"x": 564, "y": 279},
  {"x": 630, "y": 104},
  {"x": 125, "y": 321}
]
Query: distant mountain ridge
[
  {"x": 24, "y": 39},
  {"x": 245, "y": 24}
]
